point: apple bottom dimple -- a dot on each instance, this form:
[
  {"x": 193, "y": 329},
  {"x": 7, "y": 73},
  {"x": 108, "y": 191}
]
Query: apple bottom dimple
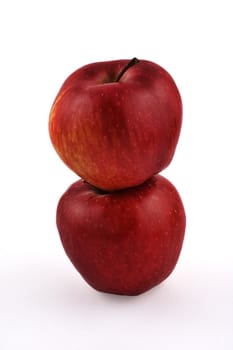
[{"x": 124, "y": 242}]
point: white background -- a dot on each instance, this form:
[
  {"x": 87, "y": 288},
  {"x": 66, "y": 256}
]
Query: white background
[{"x": 44, "y": 303}]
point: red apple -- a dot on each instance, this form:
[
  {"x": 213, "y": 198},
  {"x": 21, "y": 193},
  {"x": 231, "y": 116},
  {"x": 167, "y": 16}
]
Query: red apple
[
  {"x": 123, "y": 242},
  {"x": 117, "y": 123}
]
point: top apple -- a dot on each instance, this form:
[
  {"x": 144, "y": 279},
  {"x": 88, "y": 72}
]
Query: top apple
[{"x": 117, "y": 123}]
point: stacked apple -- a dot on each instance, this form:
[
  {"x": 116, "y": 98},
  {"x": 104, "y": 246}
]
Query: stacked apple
[{"x": 116, "y": 124}]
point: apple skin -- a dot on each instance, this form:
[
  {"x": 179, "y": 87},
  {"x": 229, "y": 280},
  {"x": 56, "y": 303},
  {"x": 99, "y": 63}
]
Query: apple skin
[
  {"x": 123, "y": 242},
  {"x": 116, "y": 134}
]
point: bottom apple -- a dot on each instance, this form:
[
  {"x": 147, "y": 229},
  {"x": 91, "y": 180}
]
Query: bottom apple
[{"x": 123, "y": 242}]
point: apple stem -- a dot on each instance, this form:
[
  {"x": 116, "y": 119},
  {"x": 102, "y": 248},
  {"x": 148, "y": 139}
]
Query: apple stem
[{"x": 129, "y": 64}]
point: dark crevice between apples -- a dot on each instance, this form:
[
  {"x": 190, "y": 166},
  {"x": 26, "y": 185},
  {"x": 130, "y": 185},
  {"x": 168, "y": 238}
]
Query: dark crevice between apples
[{"x": 96, "y": 189}]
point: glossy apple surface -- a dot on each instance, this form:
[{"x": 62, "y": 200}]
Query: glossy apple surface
[
  {"x": 117, "y": 123},
  {"x": 124, "y": 242}
]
